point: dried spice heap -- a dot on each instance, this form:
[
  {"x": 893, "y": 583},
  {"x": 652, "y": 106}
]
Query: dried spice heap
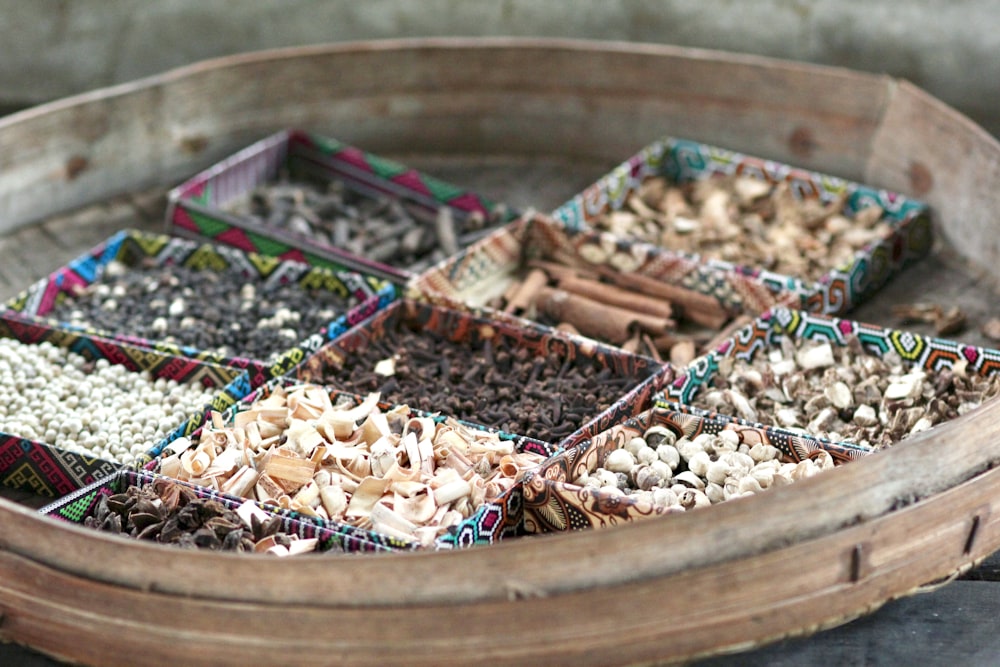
[
  {"x": 748, "y": 222},
  {"x": 52, "y": 395},
  {"x": 399, "y": 475},
  {"x": 544, "y": 397},
  {"x": 381, "y": 228},
  {"x": 843, "y": 394},
  {"x": 170, "y": 513},
  {"x": 675, "y": 475},
  {"x": 640, "y": 314},
  {"x": 203, "y": 308}
]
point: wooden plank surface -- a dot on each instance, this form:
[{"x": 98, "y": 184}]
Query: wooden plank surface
[{"x": 951, "y": 626}]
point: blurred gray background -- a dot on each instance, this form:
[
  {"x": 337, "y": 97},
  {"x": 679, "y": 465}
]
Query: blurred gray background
[{"x": 54, "y": 48}]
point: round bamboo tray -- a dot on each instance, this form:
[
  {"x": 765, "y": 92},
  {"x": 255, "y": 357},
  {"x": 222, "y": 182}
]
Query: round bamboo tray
[{"x": 789, "y": 561}]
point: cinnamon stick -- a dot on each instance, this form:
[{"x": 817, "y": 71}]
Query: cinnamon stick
[
  {"x": 523, "y": 298},
  {"x": 616, "y": 296},
  {"x": 596, "y": 319},
  {"x": 559, "y": 271},
  {"x": 697, "y": 307}
]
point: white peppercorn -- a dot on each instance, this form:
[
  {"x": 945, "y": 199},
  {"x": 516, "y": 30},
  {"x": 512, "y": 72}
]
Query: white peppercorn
[{"x": 60, "y": 411}]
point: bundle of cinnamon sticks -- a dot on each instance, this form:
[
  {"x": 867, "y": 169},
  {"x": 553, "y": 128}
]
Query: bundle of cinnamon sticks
[{"x": 636, "y": 312}]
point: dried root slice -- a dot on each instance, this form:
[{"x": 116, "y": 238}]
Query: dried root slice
[
  {"x": 242, "y": 483},
  {"x": 369, "y": 492},
  {"x": 409, "y": 477},
  {"x": 343, "y": 423}
]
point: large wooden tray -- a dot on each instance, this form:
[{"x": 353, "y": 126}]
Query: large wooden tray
[{"x": 789, "y": 561}]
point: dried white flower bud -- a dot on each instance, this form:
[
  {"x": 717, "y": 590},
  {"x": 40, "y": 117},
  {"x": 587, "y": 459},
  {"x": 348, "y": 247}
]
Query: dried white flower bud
[
  {"x": 662, "y": 469},
  {"x": 605, "y": 477},
  {"x": 646, "y": 478},
  {"x": 803, "y": 470},
  {"x": 740, "y": 463},
  {"x": 764, "y": 476},
  {"x": 761, "y": 452},
  {"x": 664, "y": 497},
  {"x": 823, "y": 460}
]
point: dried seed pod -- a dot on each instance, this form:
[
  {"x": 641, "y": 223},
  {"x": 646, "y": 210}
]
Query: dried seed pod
[
  {"x": 669, "y": 455},
  {"x": 140, "y": 520},
  {"x": 646, "y": 478},
  {"x": 657, "y": 436},
  {"x": 646, "y": 455},
  {"x": 714, "y": 492},
  {"x": 689, "y": 479},
  {"x": 634, "y": 445},
  {"x": 699, "y": 463},
  {"x": 150, "y": 532},
  {"x": 619, "y": 460},
  {"x": 717, "y": 472},
  {"x": 205, "y": 538},
  {"x": 662, "y": 469}
]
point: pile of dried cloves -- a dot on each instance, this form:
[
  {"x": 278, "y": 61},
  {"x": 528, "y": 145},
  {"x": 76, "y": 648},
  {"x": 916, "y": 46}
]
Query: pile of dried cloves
[
  {"x": 493, "y": 382},
  {"x": 170, "y": 513}
]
